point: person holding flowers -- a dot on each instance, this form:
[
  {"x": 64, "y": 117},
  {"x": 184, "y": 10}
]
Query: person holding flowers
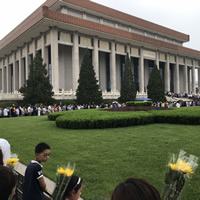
[
  {"x": 34, "y": 184},
  {"x": 5, "y": 149},
  {"x": 7, "y": 183},
  {"x": 180, "y": 169},
  {"x": 68, "y": 185},
  {"x": 73, "y": 190}
]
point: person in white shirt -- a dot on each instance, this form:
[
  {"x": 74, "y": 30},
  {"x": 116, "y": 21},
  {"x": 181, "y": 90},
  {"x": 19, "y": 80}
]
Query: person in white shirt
[
  {"x": 1, "y": 112},
  {"x": 5, "y": 112},
  {"x": 39, "y": 109},
  {"x": 5, "y": 149},
  {"x": 29, "y": 110},
  {"x": 17, "y": 112},
  {"x": 49, "y": 109}
]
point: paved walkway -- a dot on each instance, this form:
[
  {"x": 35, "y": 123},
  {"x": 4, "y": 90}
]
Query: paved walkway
[{"x": 50, "y": 184}]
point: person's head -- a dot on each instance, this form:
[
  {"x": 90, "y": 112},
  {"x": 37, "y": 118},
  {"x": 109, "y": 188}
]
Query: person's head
[
  {"x": 73, "y": 190},
  {"x": 7, "y": 183},
  {"x": 135, "y": 189},
  {"x": 42, "y": 152}
]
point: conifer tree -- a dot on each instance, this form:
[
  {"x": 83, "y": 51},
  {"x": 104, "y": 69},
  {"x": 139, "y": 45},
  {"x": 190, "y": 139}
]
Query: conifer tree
[
  {"x": 88, "y": 91},
  {"x": 37, "y": 88},
  {"x": 128, "y": 87},
  {"x": 155, "y": 88}
]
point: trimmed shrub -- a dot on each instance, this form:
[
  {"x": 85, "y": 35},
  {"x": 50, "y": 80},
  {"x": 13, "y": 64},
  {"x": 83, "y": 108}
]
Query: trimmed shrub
[
  {"x": 8, "y": 104},
  {"x": 53, "y": 116},
  {"x": 138, "y": 103},
  {"x": 95, "y": 118},
  {"x": 88, "y": 119},
  {"x": 68, "y": 102}
]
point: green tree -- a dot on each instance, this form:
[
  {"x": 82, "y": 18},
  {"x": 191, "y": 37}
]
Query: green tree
[
  {"x": 88, "y": 91},
  {"x": 155, "y": 88},
  {"x": 37, "y": 88},
  {"x": 128, "y": 87}
]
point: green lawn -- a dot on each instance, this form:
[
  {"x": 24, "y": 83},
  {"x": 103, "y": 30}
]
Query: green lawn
[{"x": 105, "y": 157}]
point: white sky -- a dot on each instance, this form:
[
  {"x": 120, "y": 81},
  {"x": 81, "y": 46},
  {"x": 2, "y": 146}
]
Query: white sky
[{"x": 180, "y": 15}]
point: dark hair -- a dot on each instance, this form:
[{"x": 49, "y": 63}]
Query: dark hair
[
  {"x": 75, "y": 184},
  {"x": 41, "y": 147},
  {"x": 1, "y": 157},
  {"x": 135, "y": 189},
  {"x": 7, "y": 182}
]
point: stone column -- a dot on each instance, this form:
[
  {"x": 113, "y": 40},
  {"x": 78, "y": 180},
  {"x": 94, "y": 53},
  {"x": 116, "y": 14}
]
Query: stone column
[
  {"x": 34, "y": 48},
  {"x": 44, "y": 51},
  {"x": 96, "y": 58},
  {"x": 75, "y": 62},
  {"x": 157, "y": 60},
  {"x": 26, "y": 61},
  {"x": 176, "y": 81},
  {"x": 7, "y": 75},
  {"x": 193, "y": 78},
  {"x": 141, "y": 72},
  {"x": 185, "y": 77},
  {"x": 1, "y": 77},
  {"x": 199, "y": 79},
  {"x": 3, "y": 89},
  {"x": 14, "y": 71},
  {"x": 167, "y": 76},
  {"x": 20, "y": 68},
  {"x": 128, "y": 50},
  {"x": 189, "y": 80},
  {"x": 4, "y": 79},
  {"x": 113, "y": 68},
  {"x": 54, "y": 59}
]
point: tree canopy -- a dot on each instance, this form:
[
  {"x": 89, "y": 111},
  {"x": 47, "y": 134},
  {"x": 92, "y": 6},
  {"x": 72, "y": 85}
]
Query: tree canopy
[
  {"x": 37, "y": 89},
  {"x": 155, "y": 88},
  {"x": 128, "y": 87},
  {"x": 88, "y": 91}
]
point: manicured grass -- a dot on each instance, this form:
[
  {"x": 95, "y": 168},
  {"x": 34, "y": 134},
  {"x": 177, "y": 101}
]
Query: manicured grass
[{"x": 105, "y": 157}]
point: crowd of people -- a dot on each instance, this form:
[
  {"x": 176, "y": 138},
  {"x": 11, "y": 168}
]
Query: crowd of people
[
  {"x": 38, "y": 110},
  {"x": 34, "y": 183}
]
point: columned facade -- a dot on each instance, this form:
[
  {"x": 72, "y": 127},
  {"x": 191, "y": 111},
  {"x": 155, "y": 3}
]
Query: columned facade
[{"x": 62, "y": 45}]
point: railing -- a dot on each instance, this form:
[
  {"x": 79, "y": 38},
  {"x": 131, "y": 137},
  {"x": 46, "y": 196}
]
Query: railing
[{"x": 19, "y": 188}]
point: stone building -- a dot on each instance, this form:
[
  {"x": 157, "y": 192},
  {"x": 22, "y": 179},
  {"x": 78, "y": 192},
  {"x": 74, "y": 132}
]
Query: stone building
[{"x": 61, "y": 30}]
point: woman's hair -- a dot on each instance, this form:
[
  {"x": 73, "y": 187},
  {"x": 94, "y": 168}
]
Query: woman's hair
[
  {"x": 7, "y": 182},
  {"x": 1, "y": 158},
  {"x": 135, "y": 189},
  {"x": 75, "y": 184}
]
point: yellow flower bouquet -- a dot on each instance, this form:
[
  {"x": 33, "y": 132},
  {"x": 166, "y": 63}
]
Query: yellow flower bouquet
[
  {"x": 180, "y": 170},
  {"x": 11, "y": 162},
  {"x": 63, "y": 176}
]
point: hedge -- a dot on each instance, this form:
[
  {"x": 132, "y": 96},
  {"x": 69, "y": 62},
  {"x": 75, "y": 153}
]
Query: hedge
[
  {"x": 8, "y": 104},
  {"x": 89, "y": 120},
  {"x": 95, "y": 118},
  {"x": 138, "y": 103}
]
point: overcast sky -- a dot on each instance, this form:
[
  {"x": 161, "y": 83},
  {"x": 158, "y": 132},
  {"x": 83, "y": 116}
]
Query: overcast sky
[{"x": 180, "y": 15}]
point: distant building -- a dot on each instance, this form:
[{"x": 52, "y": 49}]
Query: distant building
[{"x": 61, "y": 30}]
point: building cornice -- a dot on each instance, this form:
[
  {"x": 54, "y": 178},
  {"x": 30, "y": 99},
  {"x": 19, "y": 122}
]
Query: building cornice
[
  {"x": 43, "y": 12},
  {"x": 98, "y": 8},
  {"x": 113, "y": 31}
]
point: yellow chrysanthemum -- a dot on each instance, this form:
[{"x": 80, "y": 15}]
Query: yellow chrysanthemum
[
  {"x": 69, "y": 172},
  {"x": 61, "y": 170},
  {"x": 181, "y": 166},
  {"x": 12, "y": 161}
]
